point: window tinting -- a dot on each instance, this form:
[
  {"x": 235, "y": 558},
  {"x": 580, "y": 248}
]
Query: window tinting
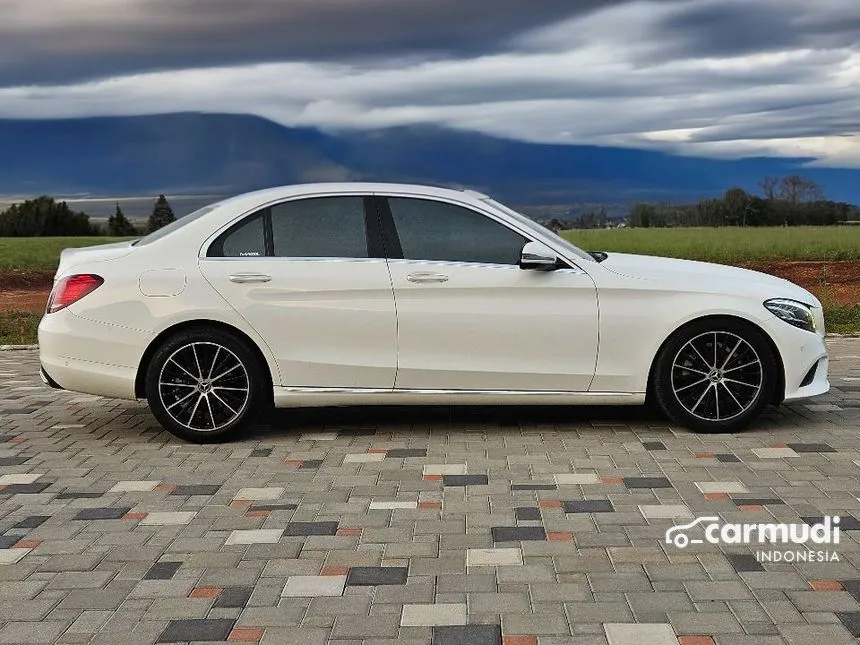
[
  {"x": 430, "y": 230},
  {"x": 322, "y": 227},
  {"x": 243, "y": 240}
]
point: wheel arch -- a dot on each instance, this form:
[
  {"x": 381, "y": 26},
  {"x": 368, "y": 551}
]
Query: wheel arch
[
  {"x": 779, "y": 388},
  {"x": 146, "y": 359}
]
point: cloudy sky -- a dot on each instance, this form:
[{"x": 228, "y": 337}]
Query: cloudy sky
[{"x": 704, "y": 77}]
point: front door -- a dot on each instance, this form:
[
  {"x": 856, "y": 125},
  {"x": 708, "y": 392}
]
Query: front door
[
  {"x": 470, "y": 319},
  {"x": 303, "y": 275}
]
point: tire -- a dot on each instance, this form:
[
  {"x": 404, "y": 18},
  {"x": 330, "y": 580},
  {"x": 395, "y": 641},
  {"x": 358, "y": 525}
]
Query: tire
[
  {"x": 205, "y": 385},
  {"x": 715, "y": 375}
]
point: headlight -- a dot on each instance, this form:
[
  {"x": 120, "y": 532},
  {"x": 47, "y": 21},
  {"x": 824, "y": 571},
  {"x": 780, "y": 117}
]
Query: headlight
[{"x": 793, "y": 312}]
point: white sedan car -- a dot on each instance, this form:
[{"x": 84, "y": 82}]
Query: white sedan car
[{"x": 354, "y": 293}]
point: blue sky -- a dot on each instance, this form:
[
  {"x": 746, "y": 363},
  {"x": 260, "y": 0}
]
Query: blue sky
[{"x": 706, "y": 77}]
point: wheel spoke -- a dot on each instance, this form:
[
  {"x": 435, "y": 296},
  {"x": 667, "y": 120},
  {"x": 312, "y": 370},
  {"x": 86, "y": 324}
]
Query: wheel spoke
[
  {"x": 231, "y": 389},
  {"x": 197, "y": 361},
  {"x": 687, "y": 387},
  {"x": 225, "y": 404},
  {"x": 173, "y": 360},
  {"x": 214, "y": 361},
  {"x": 731, "y": 380},
  {"x": 194, "y": 411},
  {"x": 184, "y": 398},
  {"x": 701, "y": 398},
  {"x": 211, "y": 415},
  {"x": 715, "y": 349},
  {"x": 740, "y": 367},
  {"x": 699, "y": 354},
  {"x": 175, "y": 384},
  {"x": 223, "y": 374},
  {"x": 731, "y": 353},
  {"x": 717, "y": 399},
  {"x": 732, "y": 394},
  {"x": 690, "y": 369}
]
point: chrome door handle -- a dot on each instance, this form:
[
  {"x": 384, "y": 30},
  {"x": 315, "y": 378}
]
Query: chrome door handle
[
  {"x": 243, "y": 278},
  {"x": 427, "y": 277}
]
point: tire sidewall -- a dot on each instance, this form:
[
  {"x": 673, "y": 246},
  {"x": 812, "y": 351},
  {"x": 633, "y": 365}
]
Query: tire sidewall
[
  {"x": 666, "y": 397},
  {"x": 253, "y": 368}
]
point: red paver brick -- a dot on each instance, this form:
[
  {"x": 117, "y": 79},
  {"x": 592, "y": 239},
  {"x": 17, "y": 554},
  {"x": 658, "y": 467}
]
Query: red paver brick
[
  {"x": 205, "y": 592},
  {"x": 826, "y": 585},
  {"x": 714, "y": 497},
  {"x": 549, "y": 503},
  {"x": 26, "y": 544},
  {"x": 334, "y": 571},
  {"x": 695, "y": 640},
  {"x": 519, "y": 640},
  {"x": 559, "y": 537},
  {"x": 245, "y": 635},
  {"x": 429, "y": 505},
  {"x": 134, "y": 516}
]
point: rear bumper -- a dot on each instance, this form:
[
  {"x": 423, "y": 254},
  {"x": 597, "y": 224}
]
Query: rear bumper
[
  {"x": 47, "y": 380},
  {"x": 86, "y": 356}
]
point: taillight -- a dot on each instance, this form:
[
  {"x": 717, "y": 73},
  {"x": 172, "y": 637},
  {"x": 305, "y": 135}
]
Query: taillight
[{"x": 71, "y": 289}]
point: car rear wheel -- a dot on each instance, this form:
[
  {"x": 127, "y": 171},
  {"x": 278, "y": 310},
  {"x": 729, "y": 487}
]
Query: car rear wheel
[
  {"x": 204, "y": 385},
  {"x": 715, "y": 375}
]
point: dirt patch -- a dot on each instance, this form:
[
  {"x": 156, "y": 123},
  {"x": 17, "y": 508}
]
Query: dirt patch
[{"x": 836, "y": 283}]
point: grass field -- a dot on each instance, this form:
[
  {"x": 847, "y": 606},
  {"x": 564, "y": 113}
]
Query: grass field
[
  {"x": 727, "y": 245},
  {"x": 41, "y": 253}
]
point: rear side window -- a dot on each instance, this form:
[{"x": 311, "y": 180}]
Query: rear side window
[
  {"x": 321, "y": 227},
  {"x": 431, "y": 230},
  {"x": 244, "y": 240}
]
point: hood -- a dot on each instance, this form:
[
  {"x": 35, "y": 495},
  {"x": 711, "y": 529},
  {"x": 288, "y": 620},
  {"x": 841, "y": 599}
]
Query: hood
[
  {"x": 70, "y": 258},
  {"x": 704, "y": 276}
]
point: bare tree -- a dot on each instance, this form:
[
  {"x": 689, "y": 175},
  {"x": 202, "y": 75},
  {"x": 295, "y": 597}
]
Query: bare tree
[
  {"x": 795, "y": 190},
  {"x": 768, "y": 187}
]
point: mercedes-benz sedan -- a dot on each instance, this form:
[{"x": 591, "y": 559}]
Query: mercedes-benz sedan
[{"x": 343, "y": 294}]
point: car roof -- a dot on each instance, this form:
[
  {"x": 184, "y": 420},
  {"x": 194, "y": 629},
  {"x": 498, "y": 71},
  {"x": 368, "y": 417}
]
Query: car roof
[{"x": 294, "y": 190}]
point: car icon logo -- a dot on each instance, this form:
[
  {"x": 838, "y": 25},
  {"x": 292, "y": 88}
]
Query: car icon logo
[{"x": 678, "y": 536}]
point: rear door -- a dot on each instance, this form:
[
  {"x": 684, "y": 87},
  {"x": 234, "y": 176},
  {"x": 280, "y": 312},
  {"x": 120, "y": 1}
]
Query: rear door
[{"x": 310, "y": 276}]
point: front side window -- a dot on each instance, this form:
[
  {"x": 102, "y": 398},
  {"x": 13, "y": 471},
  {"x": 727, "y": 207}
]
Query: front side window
[
  {"x": 320, "y": 227},
  {"x": 432, "y": 230}
]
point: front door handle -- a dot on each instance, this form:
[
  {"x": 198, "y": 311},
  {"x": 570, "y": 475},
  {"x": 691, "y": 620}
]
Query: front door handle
[
  {"x": 244, "y": 278},
  {"x": 423, "y": 277}
]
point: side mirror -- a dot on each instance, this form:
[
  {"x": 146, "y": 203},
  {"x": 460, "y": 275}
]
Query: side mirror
[{"x": 539, "y": 257}]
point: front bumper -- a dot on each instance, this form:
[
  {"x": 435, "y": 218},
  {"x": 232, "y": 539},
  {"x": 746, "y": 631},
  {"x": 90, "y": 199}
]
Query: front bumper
[{"x": 801, "y": 351}]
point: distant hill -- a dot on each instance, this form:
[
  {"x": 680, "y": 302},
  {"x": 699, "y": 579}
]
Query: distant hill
[{"x": 194, "y": 153}]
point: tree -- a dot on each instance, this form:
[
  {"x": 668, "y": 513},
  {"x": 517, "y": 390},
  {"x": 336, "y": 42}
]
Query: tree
[
  {"x": 43, "y": 216},
  {"x": 119, "y": 226},
  {"x": 161, "y": 216},
  {"x": 797, "y": 190},
  {"x": 768, "y": 187},
  {"x": 735, "y": 201}
]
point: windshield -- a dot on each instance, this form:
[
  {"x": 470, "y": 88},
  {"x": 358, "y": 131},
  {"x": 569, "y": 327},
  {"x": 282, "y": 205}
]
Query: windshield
[
  {"x": 534, "y": 226},
  {"x": 177, "y": 224}
]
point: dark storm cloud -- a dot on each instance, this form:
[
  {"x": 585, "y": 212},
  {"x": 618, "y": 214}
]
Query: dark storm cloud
[
  {"x": 90, "y": 39},
  {"x": 741, "y": 27}
]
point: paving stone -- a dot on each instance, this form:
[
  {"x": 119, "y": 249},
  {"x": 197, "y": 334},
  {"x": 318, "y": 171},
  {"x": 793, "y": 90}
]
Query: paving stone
[
  {"x": 168, "y": 518},
  {"x": 102, "y": 513},
  {"x": 308, "y": 586},
  {"x": 851, "y": 620},
  {"x": 433, "y": 614},
  {"x": 369, "y": 576},
  {"x": 257, "y": 494},
  {"x": 233, "y": 597},
  {"x": 32, "y": 522},
  {"x": 517, "y": 533},
  {"x": 196, "y": 489},
  {"x": 467, "y": 635},
  {"x": 774, "y": 453},
  {"x": 727, "y": 458},
  {"x": 588, "y": 506},
  {"x": 811, "y": 447},
  {"x": 311, "y": 528},
  {"x": 721, "y": 487},
  {"x": 397, "y": 453},
  {"x": 647, "y": 482},
  {"x": 162, "y": 571},
  {"x": 576, "y": 479},
  {"x": 180, "y": 631},
  {"x": 642, "y": 634},
  {"x": 533, "y": 487},
  {"x": 465, "y": 480},
  {"x": 665, "y": 511},
  {"x": 255, "y": 536},
  {"x": 493, "y": 557},
  {"x": 133, "y": 486},
  {"x": 527, "y": 514},
  {"x": 744, "y": 562}
]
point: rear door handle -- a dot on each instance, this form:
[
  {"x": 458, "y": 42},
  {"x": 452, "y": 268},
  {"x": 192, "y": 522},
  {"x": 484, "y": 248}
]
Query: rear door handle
[
  {"x": 423, "y": 277},
  {"x": 244, "y": 278}
]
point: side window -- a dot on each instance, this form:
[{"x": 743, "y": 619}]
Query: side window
[
  {"x": 245, "y": 239},
  {"x": 320, "y": 227},
  {"x": 431, "y": 230}
]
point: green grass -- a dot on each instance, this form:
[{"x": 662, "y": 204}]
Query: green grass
[
  {"x": 18, "y": 327},
  {"x": 727, "y": 245},
  {"x": 41, "y": 253}
]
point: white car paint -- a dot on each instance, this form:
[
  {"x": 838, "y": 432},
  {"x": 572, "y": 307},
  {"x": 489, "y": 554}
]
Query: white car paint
[{"x": 352, "y": 331}]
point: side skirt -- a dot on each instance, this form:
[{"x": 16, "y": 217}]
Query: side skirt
[{"x": 286, "y": 397}]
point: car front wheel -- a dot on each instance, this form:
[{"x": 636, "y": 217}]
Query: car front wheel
[
  {"x": 204, "y": 385},
  {"x": 715, "y": 375}
]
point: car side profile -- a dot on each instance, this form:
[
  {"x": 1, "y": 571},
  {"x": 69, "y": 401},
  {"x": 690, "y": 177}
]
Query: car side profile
[{"x": 360, "y": 293}]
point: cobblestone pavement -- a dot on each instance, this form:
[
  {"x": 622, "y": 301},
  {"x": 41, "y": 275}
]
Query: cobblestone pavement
[{"x": 419, "y": 525}]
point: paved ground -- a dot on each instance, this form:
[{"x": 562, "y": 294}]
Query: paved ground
[{"x": 464, "y": 526}]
